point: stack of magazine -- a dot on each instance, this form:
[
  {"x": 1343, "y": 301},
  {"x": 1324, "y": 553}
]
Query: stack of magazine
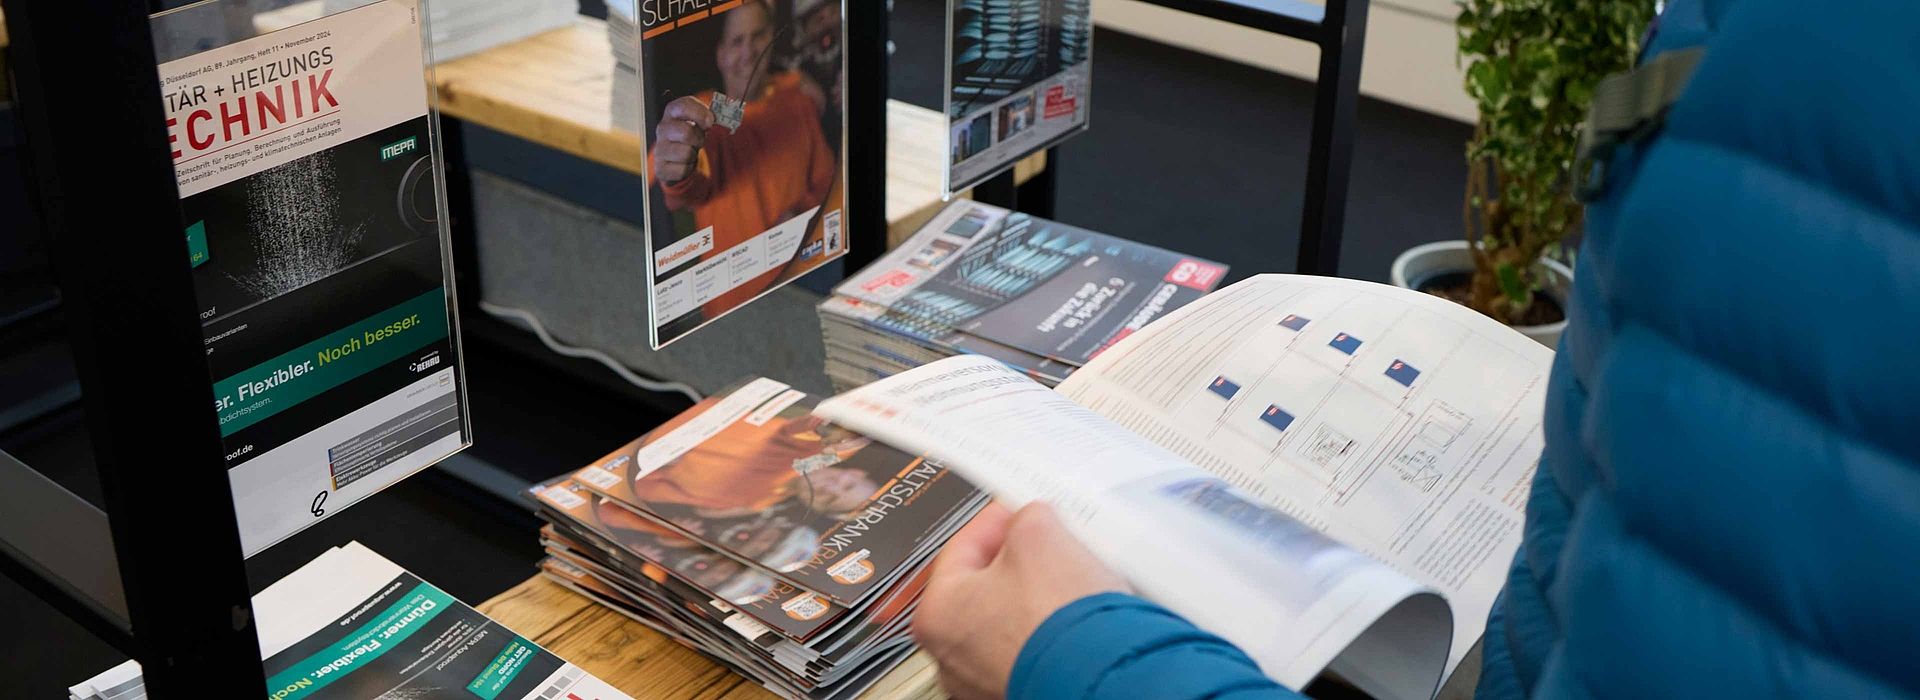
[
  {"x": 351, "y": 624},
  {"x": 785, "y": 547},
  {"x": 462, "y": 27},
  {"x": 1038, "y": 295},
  {"x": 623, "y": 34}
]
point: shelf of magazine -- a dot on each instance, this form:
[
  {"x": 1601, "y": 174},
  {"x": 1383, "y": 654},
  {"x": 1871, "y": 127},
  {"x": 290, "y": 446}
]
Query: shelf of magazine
[{"x": 313, "y": 202}]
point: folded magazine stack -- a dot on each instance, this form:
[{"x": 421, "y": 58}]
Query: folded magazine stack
[
  {"x": 1038, "y": 295},
  {"x": 784, "y": 547},
  {"x": 462, "y": 27},
  {"x": 623, "y": 34}
]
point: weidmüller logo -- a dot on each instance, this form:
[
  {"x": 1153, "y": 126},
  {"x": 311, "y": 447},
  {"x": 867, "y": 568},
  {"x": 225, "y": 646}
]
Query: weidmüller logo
[{"x": 684, "y": 251}]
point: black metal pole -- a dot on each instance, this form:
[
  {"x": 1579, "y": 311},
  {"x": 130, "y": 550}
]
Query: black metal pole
[
  {"x": 998, "y": 191},
  {"x": 866, "y": 143},
  {"x": 1330, "y": 155},
  {"x": 1038, "y": 195},
  {"x": 103, "y": 177}
]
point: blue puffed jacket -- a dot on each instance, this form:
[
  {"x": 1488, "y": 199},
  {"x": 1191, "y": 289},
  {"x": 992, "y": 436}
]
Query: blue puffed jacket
[{"x": 1729, "y": 500}]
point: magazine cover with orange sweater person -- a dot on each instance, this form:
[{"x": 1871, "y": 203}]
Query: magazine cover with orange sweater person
[
  {"x": 744, "y": 130},
  {"x": 754, "y": 475}
]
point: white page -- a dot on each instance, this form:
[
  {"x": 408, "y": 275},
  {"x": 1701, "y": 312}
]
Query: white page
[
  {"x": 1427, "y": 470},
  {"x": 1291, "y": 598}
]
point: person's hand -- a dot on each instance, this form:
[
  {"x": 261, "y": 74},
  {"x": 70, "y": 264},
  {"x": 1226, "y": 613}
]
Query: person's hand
[
  {"x": 679, "y": 137},
  {"x": 997, "y": 579}
]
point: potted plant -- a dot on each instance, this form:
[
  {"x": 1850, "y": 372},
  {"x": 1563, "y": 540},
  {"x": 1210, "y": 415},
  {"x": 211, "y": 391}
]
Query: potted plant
[{"x": 1531, "y": 66}]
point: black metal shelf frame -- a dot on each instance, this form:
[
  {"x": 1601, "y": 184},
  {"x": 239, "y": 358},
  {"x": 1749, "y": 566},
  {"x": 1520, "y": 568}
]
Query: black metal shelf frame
[
  {"x": 158, "y": 572},
  {"x": 1339, "y": 29}
]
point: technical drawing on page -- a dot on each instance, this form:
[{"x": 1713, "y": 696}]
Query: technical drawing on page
[
  {"x": 1437, "y": 429},
  {"x": 1328, "y": 449}
]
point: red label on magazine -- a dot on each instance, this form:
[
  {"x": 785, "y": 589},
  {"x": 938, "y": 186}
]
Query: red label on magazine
[
  {"x": 1194, "y": 274},
  {"x": 896, "y": 278},
  {"x": 1060, "y": 103}
]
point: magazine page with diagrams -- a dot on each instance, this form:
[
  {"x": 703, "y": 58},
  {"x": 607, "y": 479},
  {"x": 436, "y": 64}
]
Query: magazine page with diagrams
[
  {"x": 1019, "y": 78},
  {"x": 741, "y": 109},
  {"x": 313, "y": 206},
  {"x": 351, "y": 624},
  {"x": 1331, "y": 474}
]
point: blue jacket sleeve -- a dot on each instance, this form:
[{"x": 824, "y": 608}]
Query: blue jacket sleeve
[{"x": 1118, "y": 646}]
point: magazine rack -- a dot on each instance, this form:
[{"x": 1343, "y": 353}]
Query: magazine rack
[
  {"x": 1339, "y": 29},
  {"x": 159, "y": 572}
]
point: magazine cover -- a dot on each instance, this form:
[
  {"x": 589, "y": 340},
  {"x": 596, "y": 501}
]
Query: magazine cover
[
  {"x": 351, "y": 624},
  {"x": 743, "y": 105},
  {"x": 1018, "y": 78},
  {"x": 311, "y": 200},
  {"x": 672, "y": 561},
  {"x": 756, "y": 476},
  {"x": 978, "y": 276}
]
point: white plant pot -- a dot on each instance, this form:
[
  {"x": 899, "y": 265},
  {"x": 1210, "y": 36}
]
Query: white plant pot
[{"x": 1423, "y": 262}]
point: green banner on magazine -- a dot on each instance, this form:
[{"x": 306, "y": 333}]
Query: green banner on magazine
[
  {"x": 309, "y": 370},
  {"x": 369, "y": 642}
]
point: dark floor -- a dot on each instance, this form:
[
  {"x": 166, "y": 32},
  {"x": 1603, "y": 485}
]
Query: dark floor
[{"x": 1187, "y": 151}]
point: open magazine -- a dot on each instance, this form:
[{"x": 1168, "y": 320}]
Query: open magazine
[
  {"x": 1330, "y": 474},
  {"x": 351, "y": 624}
]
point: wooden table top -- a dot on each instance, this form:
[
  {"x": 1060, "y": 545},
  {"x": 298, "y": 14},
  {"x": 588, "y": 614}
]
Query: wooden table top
[{"x": 644, "y": 664}]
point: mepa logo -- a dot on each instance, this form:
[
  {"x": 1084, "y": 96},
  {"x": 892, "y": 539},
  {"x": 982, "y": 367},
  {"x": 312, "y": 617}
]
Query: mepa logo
[{"x": 399, "y": 148}]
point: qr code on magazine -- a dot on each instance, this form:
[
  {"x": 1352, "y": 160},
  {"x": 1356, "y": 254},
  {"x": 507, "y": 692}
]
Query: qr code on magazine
[{"x": 805, "y": 606}]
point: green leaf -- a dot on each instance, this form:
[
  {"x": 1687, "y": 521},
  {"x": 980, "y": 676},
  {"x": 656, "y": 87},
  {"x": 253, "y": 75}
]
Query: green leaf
[{"x": 1516, "y": 289}]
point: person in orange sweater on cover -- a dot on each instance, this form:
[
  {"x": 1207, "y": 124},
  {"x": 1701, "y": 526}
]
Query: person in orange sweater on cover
[
  {"x": 742, "y": 471},
  {"x": 748, "y": 468},
  {"x": 776, "y": 165}
]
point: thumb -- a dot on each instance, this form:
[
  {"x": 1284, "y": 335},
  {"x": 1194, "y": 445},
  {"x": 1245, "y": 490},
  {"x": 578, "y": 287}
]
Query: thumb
[
  {"x": 976, "y": 544},
  {"x": 1041, "y": 537}
]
